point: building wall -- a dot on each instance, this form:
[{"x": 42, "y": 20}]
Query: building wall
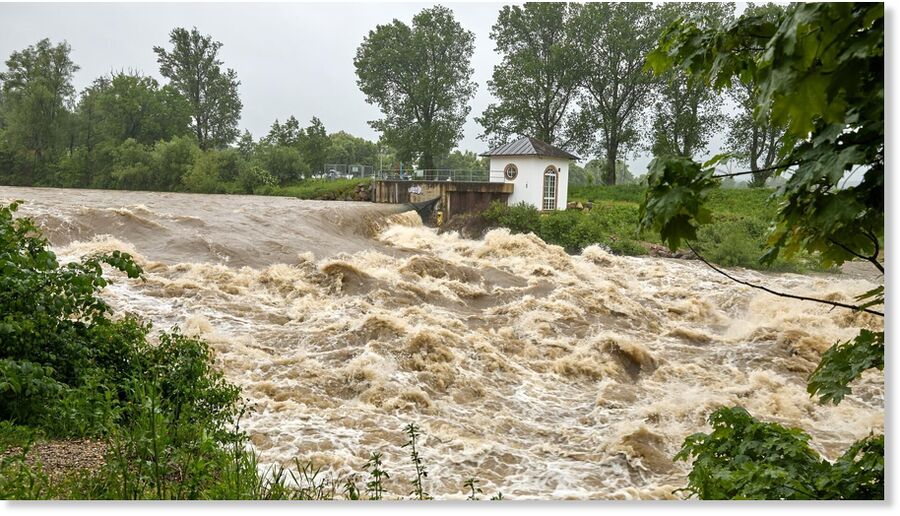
[{"x": 529, "y": 184}]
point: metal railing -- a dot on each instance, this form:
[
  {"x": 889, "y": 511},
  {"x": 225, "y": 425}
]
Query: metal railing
[
  {"x": 339, "y": 171},
  {"x": 345, "y": 171},
  {"x": 461, "y": 176}
]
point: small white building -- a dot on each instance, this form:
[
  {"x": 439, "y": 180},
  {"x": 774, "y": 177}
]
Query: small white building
[{"x": 538, "y": 171}]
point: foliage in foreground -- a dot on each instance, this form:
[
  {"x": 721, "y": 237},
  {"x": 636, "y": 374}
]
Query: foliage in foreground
[
  {"x": 819, "y": 71},
  {"x": 743, "y": 458}
]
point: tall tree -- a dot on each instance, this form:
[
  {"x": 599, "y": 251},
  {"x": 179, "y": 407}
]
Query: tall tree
[
  {"x": 421, "y": 79},
  {"x": 537, "y": 81},
  {"x": 314, "y": 145},
  {"x": 687, "y": 110},
  {"x": 133, "y": 106},
  {"x": 352, "y": 150},
  {"x": 287, "y": 133},
  {"x": 195, "y": 71},
  {"x": 612, "y": 40},
  {"x": 37, "y": 91},
  {"x": 755, "y": 140}
]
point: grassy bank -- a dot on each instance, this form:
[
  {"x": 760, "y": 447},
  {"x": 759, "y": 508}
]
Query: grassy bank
[
  {"x": 321, "y": 189},
  {"x": 736, "y": 237}
]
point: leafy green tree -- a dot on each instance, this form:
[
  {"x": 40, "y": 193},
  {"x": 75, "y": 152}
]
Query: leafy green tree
[
  {"x": 225, "y": 171},
  {"x": 420, "y": 78},
  {"x": 194, "y": 70},
  {"x": 537, "y": 82},
  {"x": 821, "y": 75},
  {"x": 463, "y": 160},
  {"x": 346, "y": 148},
  {"x": 50, "y": 310},
  {"x": 132, "y": 106},
  {"x": 246, "y": 144},
  {"x": 88, "y": 114},
  {"x": 755, "y": 141},
  {"x": 283, "y": 162},
  {"x": 687, "y": 110},
  {"x": 172, "y": 160},
  {"x": 132, "y": 167},
  {"x": 314, "y": 145},
  {"x": 287, "y": 133},
  {"x": 612, "y": 41},
  {"x": 37, "y": 92}
]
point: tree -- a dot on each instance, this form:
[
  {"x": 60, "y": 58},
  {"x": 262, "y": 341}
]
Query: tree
[
  {"x": 314, "y": 144},
  {"x": 194, "y": 70},
  {"x": 37, "y": 90},
  {"x": 755, "y": 141},
  {"x": 612, "y": 42},
  {"x": 463, "y": 160},
  {"x": 287, "y": 133},
  {"x": 348, "y": 149},
  {"x": 537, "y": 81},
  {"x": 246, "y": 145},
  {"x": 687, "y": 111},
  {"x": 420, "y": 77},
  {"x": 819, "y": 71},
  {"x": 132, "y": 106}
]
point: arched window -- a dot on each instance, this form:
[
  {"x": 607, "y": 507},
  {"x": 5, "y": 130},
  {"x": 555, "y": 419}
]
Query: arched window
[
  {"x": 510, "y": 172},
  {"x": 551, "y": 180}
]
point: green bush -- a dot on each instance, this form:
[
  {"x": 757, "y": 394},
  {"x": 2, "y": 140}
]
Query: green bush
[
  {"x": 519, "y": 218},
  {"x": 68, "y": 369},
  {"x": 320, "y": 189},
  {"x": 743, "y": 458},
  {"x": 27, "y": 391},
  {"x": 735, "y": 237},
  {"x": 47, "y": 310}
]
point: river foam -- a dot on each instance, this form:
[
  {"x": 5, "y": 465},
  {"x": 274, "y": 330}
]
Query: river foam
[{"x": 542, "y": 374}]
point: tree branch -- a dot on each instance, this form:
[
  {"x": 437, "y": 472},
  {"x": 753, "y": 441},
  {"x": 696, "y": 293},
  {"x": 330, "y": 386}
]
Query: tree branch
[
  {"x": 780, "y": 294},
  {"x": 767, "y": 169},
  {"x": 873, "y": 258}
]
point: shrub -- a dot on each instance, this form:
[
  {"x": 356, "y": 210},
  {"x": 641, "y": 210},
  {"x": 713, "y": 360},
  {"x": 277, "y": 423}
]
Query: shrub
[
  {"x": 27, "y": 391},
  {"x": 743, "y": 458},
  {"x": 48, "y": 309},
  {"x": 519, "y": 218}
]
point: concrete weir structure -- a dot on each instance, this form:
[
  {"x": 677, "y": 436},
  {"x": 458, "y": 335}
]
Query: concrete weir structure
[
  {"x": 525, "y": 170},
  {"x": 454, "y": 197}
]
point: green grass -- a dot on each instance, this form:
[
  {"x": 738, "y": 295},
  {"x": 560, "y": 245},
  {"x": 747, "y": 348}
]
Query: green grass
[
  {"x": 741, "y": 219},
  {"x": 321, "y": 189}
]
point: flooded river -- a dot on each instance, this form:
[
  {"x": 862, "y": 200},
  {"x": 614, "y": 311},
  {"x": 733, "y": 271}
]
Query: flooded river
[{"x": 542, "y": 374}]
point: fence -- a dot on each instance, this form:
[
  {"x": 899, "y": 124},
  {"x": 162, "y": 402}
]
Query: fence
[
  {"x": 461, "y": 176},
  {"x": 345, "y": 171},
  {"x": 341, "y": 171}
]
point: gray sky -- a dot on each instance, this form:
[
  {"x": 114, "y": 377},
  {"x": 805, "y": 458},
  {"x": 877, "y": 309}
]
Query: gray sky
[{"x": 291, "y": 59}]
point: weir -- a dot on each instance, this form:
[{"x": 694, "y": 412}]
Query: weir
[{"x": 450, "y": 197}]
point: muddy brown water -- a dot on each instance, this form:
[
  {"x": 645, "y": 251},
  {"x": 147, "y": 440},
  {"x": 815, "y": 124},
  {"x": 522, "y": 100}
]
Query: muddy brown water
[{"x": 542, "y": 374}]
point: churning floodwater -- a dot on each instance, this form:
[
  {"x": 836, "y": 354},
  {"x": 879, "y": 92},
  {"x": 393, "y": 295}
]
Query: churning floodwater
[{"x": 542, "y": 374}]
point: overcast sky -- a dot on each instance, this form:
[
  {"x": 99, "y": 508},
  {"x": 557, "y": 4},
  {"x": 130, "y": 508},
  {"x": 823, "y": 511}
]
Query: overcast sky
[{"x": 291, "y": 59}]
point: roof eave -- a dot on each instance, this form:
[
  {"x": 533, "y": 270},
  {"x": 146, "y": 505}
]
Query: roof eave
[{"x": 569, "y": 157}]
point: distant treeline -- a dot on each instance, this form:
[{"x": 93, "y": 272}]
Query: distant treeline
[
  {"x": 573, "y": 75},
  {"x": 126, "y": 131}
]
